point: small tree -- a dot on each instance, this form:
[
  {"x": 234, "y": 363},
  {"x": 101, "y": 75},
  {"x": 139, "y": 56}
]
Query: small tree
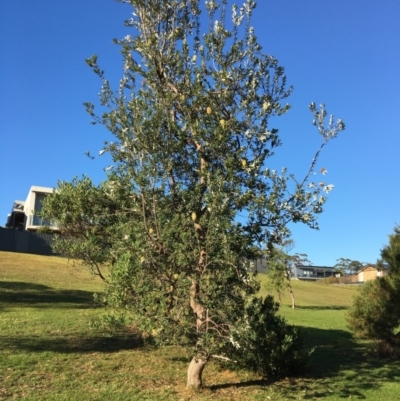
[
  {"x": 192, "y": 128},
  {"x": 375, "y": 313},
  {"x": 280, "y": 263},
  {"x": 276, "y": 272}
]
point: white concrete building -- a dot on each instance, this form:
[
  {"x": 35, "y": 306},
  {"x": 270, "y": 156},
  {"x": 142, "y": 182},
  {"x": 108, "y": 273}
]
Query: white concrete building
[{"x": 25, "y": 214}]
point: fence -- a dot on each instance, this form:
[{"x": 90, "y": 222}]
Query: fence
[
  {"x": 25, "y": 242},
  {"x": 40, "y": 244}
]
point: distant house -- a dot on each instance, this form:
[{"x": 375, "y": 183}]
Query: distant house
[
  {"x": 371, "y": 272},
  {"x": 24, "y": 214},
  {"x": 299, "y": 272},
  {"x": 310, "y": 272}
]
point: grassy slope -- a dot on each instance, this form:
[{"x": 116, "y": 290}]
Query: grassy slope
[
  {"x": 341, "y": 367},
  {"x": 48, "y": 351}
]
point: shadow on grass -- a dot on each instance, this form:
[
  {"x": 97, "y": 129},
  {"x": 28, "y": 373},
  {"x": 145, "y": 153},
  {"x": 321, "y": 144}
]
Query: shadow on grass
[
  {"x": 38, "y": 295},
  {"x": 72, "y": 344},
  {"x": 339, "y": 366},
  {"x": 314, "y": 307}
]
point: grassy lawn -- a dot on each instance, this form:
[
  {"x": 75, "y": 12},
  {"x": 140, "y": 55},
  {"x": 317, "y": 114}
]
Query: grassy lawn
[{"x": 49, "y": 352}]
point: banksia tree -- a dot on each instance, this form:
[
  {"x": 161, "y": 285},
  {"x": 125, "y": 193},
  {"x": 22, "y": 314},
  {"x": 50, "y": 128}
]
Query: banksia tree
[{"x": 191, "y": 121}]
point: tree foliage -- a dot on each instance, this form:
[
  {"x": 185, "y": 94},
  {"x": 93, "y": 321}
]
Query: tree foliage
[
  {"x": 375, "y": 313},
  {"x": 390, "y": 254},
  {"x": 265, "y": 343},
  {"x": 88, "y": 219},
  {"x": 189, "y": 196},
  {"x": 347, "y": 266}
]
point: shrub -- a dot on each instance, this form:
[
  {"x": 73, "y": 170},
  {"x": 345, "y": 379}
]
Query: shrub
[
  {"x": 266, "y": 344},
  {"x": 375, "y": 313}
]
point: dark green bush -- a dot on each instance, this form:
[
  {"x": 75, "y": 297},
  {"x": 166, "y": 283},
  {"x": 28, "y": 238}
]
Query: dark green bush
[
  {"x": 266, "y": 344},
  {"x": 375, "y": 313}
]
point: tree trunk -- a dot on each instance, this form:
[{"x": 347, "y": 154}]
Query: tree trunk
[
  {"x": 279, "y": 298},
  {"x": 287, "y": 276},
  {"x": 292, "y": 296},
  {"x": 195, "y": 371},
  {"x": 197, "y": 364}
]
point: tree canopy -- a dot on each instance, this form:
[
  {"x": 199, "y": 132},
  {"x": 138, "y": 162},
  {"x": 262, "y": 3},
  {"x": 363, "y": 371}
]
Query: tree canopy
[
  {"x": 189, "y": 197},
  {"x": 390, "y": 254},
  {"x": 347, "y": 266}
]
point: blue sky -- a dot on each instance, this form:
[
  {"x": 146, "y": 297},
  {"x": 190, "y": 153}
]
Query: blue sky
[{"x": 341, "y": 53}]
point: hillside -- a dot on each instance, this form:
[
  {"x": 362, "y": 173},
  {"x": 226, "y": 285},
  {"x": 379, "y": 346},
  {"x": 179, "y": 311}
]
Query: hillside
[{"x": 49, "y": 351}]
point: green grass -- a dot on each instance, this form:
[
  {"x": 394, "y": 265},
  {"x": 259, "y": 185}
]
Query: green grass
[{"x": 49, "y": 352}]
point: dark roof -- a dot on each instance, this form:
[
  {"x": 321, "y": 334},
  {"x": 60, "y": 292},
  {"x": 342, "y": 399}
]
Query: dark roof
[{"x": 312, "y": 267}]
